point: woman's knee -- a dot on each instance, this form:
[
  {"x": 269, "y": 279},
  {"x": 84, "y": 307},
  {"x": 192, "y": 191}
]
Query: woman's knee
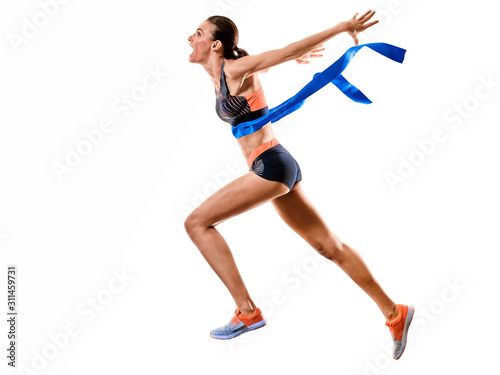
[{"x": 193, "y": 223}]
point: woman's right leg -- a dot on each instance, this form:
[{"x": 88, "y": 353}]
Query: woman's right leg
[{"x": 240, "y": 195}]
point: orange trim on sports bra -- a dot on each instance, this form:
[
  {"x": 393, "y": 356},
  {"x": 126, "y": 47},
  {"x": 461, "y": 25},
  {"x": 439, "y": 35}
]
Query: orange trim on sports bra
[{"x": 256, "y": 100}]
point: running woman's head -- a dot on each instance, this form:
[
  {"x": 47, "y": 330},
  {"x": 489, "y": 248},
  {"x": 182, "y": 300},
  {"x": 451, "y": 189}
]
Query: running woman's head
[
  {"x": 226, "y": 32},
  {"x": 218, "y": 34}
]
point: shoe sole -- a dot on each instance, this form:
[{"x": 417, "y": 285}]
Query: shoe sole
[
  {"x": 409, "y": 318},
  {"x": 253, "y": 327}
]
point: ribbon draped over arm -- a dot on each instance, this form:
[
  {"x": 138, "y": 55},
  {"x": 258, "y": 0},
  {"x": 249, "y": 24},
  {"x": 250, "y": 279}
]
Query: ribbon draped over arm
[{"x": 333, "y": 75}]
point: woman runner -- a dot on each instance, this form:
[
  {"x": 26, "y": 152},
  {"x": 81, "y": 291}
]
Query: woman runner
[{"x": 274, "y": 175}]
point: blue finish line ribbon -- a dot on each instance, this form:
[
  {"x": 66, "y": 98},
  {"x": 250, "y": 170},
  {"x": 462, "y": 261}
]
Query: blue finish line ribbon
[{"x": 330, "y": 75}]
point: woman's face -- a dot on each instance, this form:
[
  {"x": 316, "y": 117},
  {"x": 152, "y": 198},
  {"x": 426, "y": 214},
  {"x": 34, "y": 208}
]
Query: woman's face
[{"x": 201, "y": 42}]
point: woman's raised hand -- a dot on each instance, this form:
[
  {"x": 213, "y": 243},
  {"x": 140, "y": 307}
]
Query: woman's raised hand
[
  {"x": 357, "y": 25},
  {"x": 313, "y": 54}
]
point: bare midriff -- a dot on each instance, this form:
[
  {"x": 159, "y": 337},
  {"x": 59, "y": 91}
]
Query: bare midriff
[{"x": 250, "y": 142}]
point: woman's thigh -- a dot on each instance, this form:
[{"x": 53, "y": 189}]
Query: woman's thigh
[
  {"x": 238, "y": 196},
  {"x": 302, "y": 217}
]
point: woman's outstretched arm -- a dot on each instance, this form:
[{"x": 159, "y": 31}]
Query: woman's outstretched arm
[{"x": 248, "y": 65}]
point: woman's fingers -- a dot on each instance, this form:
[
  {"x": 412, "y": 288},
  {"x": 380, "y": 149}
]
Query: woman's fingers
[
  {"x": 370, "y": 24},
  {"x": 360, "y": 24},
  {"x": 313, "y": 54},
  {"x": 363, "y": 16},
  {"x": 369, "y": 16}
]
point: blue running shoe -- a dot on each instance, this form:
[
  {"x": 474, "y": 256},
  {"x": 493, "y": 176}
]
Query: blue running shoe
[{"x": 239, "y": 324}]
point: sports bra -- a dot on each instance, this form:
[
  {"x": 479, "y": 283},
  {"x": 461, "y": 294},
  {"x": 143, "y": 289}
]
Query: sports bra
[{"x": 238, "y": 109}]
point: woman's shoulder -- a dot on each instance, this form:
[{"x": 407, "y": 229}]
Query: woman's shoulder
[{"x": 239, "y": 86}]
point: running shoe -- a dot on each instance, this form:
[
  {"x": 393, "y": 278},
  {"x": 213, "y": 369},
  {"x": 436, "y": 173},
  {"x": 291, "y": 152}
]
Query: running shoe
[
  {"x": 399, "y": 329},
  {"x": 239, "y": 324}
]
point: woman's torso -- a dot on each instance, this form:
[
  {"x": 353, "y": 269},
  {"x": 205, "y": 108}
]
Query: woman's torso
[{"x": 249, "y": 86}]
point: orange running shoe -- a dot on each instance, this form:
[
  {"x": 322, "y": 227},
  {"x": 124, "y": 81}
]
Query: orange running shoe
[
  {"x": 399, "y": 329},
  {"x": 239, "y": 323}
]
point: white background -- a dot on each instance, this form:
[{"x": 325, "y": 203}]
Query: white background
[{"x": 432, "y": 241}]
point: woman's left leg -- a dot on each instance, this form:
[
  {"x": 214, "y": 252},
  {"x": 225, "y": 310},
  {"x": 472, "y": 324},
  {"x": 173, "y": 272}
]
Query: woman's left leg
[{"x": 298, "y": 212}]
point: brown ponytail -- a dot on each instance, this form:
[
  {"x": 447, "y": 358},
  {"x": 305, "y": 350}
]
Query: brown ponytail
[
  {"x": 239, "y": 52},
  {"x": 226, "y": 31}
]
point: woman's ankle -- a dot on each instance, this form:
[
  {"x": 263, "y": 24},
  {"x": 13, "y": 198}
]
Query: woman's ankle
[
  {"x": 392, "y": 314},
  {"x": 247, "y": 308}
]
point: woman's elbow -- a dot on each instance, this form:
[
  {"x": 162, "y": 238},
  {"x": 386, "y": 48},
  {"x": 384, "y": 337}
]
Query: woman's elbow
[{"x": 291, "y": 52}]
